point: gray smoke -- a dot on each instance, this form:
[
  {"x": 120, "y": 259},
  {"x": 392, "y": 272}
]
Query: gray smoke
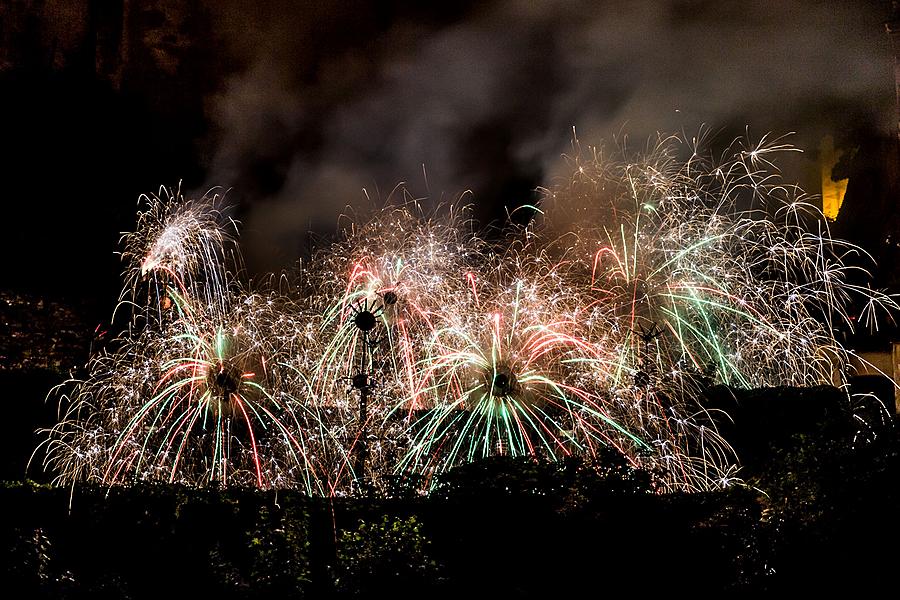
[{"x": 331, "y": 102}]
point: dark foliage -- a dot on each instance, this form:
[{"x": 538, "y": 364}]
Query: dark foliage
[
  {"x": 25, "y": 411},
  {"x": 383, "y": 556},
  {"x": 828, "y": 468},
  {"x": 814, "y": 516},
  {"x": 512, "y": 527}
]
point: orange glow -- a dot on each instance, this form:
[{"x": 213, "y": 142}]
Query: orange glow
[{"x": 832, "y": 191}]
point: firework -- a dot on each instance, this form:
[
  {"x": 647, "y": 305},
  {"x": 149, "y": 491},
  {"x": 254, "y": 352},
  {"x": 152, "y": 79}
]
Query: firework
[
  {"x": 413, "y": 345},
  {"x": 375, "y": 295},
  {"x": 736, "y": 270},
  {"x": 207, "y": 399},
  {"x": 401, "y": 268},
  {"x": 498, "y": 371},
  {"x": 694, "y": 273},
  {"x": 183, "y": 247}
]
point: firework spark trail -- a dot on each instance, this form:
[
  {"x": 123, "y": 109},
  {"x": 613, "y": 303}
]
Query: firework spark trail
[
  {"x": 204, "y": 400},
  {"x": 404, "y": 267},
  {"x": 499, "y": 378},
  {"x": 400, "y": 267},
  {"x": 420, "y": 346},
  {"x": 183, "y": 246},
  {"x": 696, "y": 272},
  {"x": 746, "y": 290}
]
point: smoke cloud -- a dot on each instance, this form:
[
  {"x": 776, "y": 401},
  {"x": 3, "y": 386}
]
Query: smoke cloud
[{"x": 326, "y": 102}]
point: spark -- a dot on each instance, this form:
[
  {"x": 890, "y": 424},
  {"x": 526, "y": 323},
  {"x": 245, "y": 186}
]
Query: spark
[{"x": 643, "y": 282}]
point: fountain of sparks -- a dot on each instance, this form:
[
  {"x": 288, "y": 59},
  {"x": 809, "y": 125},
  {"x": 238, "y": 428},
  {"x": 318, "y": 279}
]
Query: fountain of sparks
[{"x": 598, "y": 326}]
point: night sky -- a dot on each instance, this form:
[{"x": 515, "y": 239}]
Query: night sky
[
  {"x": 299, "y": 112},
  {"x": 296, "y": 108}
]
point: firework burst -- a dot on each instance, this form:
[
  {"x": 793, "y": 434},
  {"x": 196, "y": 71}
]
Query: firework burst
[
  {"x": 183, "y": 247},
  {"x": 737, "y": 270},
  {"x": 416, "y": 346},
  {"x": 401, "y": 267},
  {"x": 205, "y": 400},
  {"x": 697, "y": 272},
  {"x": 499, "y": 374}
]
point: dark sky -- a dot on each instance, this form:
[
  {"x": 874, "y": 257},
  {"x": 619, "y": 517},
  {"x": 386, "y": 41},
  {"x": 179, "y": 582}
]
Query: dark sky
[{"x": 297, "y": 107}]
